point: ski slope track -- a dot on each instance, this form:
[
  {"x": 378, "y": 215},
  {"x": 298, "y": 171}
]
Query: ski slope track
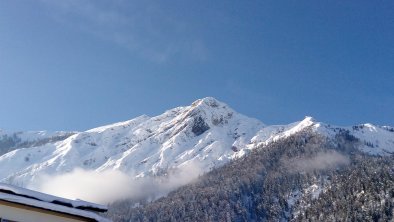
[{"x": 208, "y": 133}]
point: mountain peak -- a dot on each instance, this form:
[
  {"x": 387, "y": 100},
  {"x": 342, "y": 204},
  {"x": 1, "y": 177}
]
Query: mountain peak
[
  {"x": 309, "y": 119},
  {"x": 207, "y": 131},
  {"x": 208, "y": 101},
  {"x": 211, "y": 110}
]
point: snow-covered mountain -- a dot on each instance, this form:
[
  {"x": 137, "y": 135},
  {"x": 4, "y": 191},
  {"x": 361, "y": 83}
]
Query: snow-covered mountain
[
  {"x": 10, "y": 140},
  {"x": 207, "y": 133},
  {"x": 374, "y": 140}
]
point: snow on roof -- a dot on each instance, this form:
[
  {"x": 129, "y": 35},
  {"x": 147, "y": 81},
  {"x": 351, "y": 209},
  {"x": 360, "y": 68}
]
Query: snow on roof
[{"x": 36, "y": 199}]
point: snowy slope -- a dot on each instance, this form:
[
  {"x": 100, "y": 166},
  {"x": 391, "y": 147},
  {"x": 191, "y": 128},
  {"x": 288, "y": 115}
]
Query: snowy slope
[
  {"x": 275, "y": 132},
  {"x": 18, "y": 192},
  {"x": 207, "y": 133},
  {"x": 10, "y": 140},
  {"x": 374, "y": 140},
  {"x": 29, "y": 136}
]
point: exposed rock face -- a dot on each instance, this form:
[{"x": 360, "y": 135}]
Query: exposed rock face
[
  {"x": 207, "y": 133},
  {"x": 200, "y": 134},
  {"x": 199, "y": 126}
]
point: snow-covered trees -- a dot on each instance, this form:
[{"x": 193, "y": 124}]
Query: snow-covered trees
[{"x": 269, "y": 185}]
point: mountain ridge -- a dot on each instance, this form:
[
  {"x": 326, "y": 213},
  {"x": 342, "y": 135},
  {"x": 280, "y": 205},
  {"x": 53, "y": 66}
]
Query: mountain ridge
[{"x": 208, "y": 133}]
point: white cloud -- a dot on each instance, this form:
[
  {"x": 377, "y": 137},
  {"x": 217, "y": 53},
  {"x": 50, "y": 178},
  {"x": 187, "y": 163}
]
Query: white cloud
[
  {"x": 111, "y": 185},
  {"x": 100, "y": 187},
  {"x": 141, "y": 27},
  {"x": 320, "y": 161}
]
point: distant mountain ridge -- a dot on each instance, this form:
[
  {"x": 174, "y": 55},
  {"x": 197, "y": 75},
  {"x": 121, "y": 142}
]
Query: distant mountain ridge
[
  {"x": 14, "y": 140},
  {"x": 207, "y": 133}
]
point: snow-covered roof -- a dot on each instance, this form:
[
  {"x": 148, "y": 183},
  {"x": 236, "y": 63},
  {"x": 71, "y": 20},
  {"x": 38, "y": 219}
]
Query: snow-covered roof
[{"x": 45, "y": 201}]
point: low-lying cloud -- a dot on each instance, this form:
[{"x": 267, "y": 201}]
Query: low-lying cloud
[
  {"x": 112, "y": 185},
  {"x": 321, "y": 161}
]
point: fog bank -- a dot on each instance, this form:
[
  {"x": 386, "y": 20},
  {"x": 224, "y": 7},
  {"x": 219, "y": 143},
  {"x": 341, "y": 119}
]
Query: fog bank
[{"x": 112, "y": 185}]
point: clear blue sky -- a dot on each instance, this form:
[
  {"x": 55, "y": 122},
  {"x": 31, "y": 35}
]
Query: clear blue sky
[{"x": 78, "y": 64}]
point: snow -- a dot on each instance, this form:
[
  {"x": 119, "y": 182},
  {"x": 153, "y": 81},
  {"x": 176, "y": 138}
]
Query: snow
[
  {"x": 51, "y": 199},
  {"x": 141, "y": 146},
  {"x": 51, "y": 207},
  {"x": 293, "y": 198},
  {"x": 314, "y": 190},
  {"x": 273, "y": 133},
  {"x": 31, "y": 198},
  {"x": 375, "y": 140},
  {"x": 207, "y": 132},
  {"x": 30, "y": 136}
]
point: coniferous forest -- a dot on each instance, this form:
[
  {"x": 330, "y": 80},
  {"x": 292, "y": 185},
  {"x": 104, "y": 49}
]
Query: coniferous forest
[{"x": 305, "y": 177}]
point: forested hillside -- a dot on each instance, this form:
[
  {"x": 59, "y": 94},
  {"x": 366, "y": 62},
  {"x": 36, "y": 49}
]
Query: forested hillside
[{"x": 305, "y": 177}]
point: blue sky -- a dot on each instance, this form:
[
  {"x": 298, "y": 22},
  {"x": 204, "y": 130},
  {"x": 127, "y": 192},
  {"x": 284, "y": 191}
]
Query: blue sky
[{"x": 78, "y": 64}]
